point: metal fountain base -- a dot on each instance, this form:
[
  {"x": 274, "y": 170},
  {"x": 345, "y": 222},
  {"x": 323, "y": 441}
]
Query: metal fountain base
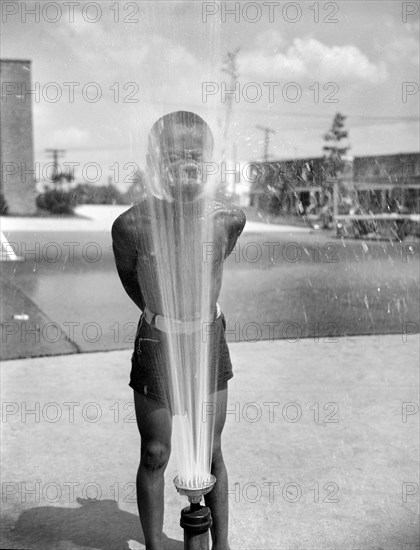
[{"x": 195, "y": 519}]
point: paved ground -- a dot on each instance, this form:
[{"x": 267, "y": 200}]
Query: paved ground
[
  {"x": 59, "y": 283},
  {"x": 321, "y": 447},
  {"x": 281, "y": 282},
  {"x": 321, "y": 442},
  {"x": 99, "y": 218}
]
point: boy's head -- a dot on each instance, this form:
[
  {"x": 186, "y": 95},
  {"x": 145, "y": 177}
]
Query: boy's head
[{"x": 179, "y": 144}]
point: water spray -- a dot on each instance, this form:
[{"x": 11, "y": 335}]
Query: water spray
[{"x": 195, "y": 519}]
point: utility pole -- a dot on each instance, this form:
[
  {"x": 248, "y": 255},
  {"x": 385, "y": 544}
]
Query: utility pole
[
  {"x": 235, "y": 155},
  {"x": 55, "y": 155},
  {"x": 229, "y": 67},
  {"x": 267, "y": 131}
]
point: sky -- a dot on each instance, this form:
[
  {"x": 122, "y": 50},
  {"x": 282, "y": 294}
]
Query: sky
[{"x": 105, "y": 71}]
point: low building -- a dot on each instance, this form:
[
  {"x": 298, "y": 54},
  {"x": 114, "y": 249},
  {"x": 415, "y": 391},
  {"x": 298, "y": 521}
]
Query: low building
[
  {"x": 378, "y": 183},
  {"x": 288, "y": 186},
  {"x": 388, "y": 182}
]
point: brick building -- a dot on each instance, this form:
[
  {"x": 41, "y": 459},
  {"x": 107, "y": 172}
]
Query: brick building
[{"x": 17, "y": 183}]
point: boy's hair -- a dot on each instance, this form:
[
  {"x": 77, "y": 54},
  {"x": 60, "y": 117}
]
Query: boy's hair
[{"x": 189, "y": 120}]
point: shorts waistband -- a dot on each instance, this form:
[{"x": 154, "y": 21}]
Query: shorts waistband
[{"x": 174, "y": 326}]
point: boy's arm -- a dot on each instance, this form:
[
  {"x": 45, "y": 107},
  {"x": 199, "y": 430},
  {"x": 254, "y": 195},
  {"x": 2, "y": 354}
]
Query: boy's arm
[
  {"x": 125, "y": 259},
  {"x": 236, "y": 225}
]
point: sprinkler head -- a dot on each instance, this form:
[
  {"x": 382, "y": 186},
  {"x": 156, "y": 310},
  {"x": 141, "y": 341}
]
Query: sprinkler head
[{"x": 194, "y": 493}]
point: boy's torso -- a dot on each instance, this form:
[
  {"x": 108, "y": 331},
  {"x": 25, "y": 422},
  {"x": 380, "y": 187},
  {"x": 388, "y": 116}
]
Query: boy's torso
[{"x": 180, "y": 258}]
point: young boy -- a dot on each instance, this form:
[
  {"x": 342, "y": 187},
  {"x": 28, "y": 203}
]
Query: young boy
[{"x": 179, "y": 144}]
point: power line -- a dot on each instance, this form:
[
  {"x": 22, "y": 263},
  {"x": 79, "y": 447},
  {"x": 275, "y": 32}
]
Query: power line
[
  {"x": 101, "y": 148},
  {"x": 238, "y": 108},
  {"x": 370, "y": 121}
]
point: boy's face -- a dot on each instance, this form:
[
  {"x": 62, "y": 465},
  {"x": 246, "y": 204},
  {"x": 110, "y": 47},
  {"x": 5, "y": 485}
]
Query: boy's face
[{"x": 178, "y": 158}]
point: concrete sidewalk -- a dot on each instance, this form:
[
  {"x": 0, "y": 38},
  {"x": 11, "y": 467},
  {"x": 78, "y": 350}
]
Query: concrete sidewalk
[
  {"x": 321, "y": 445},
  {"x": 101, "y": 217}
]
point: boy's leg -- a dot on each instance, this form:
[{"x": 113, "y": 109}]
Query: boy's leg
[
  {"x": 155, "y": 425},
  {"x": 217, "y": 500}
]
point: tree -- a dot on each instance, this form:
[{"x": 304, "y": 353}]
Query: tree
[
  {"x": 334, "y": 148},
  {"x": 336, "y": 169}
]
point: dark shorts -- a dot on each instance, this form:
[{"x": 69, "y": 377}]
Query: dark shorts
[{"x": 150, "y": 361}]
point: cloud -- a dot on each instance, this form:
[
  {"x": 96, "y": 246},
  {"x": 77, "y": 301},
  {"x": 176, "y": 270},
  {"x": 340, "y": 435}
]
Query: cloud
[
  {"x": 308, "y": 59},
  {"x": 153, "y": 61},
  {"x": 403, "y": 49},
  {"x": 270, "y": 40},
  {"x": 70, "y": 137}
]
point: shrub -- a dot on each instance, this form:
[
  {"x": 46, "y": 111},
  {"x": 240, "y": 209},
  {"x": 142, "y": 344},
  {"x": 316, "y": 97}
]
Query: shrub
[
  {"x": 55, "y": 201},
  {"x": 3, "y": 205},
  {"x": 85, "y": 193}
]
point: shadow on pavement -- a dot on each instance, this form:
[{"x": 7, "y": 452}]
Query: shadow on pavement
[{"x": 98, "y": 524}]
